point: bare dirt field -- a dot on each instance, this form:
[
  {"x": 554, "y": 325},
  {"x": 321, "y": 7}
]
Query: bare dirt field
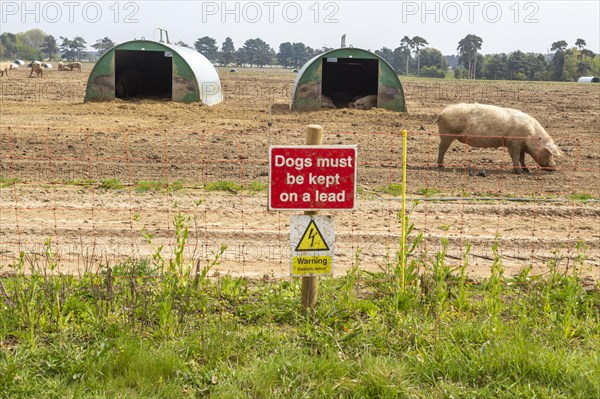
[{"x": 55, "y": 152}]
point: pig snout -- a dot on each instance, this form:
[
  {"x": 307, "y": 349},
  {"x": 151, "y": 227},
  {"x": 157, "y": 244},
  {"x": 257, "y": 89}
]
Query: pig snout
[{"x": 546, "y": 160}]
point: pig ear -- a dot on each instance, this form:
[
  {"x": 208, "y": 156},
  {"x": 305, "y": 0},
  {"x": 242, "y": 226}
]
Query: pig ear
[{"x": 554, "y": 150}]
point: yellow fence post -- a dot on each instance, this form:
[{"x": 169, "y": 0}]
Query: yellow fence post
[{"x": 403, "y": 216}]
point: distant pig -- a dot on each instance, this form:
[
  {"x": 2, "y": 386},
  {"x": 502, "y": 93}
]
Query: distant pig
[
  {"x": 326, "y": 102},
  {"x": 366, "y": 102},
  {"x": 480, "y": 125}
]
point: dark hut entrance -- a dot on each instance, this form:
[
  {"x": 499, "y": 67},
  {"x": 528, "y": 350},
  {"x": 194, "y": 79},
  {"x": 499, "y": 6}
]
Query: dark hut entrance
[
  {"x": 143, "y": 74},
  {"x": 347, "y": 78}
]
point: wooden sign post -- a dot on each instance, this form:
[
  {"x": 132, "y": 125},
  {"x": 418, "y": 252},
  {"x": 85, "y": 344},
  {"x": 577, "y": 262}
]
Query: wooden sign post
[
  {"x": 310, "y": 284},
  {"x": 310, "y": 178}
]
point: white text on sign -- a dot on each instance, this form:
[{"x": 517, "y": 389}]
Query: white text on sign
[
  {"x": 311, "y": 177},
  {"x": 301, "y": 163},
  {"x": 328, "y": 180}
]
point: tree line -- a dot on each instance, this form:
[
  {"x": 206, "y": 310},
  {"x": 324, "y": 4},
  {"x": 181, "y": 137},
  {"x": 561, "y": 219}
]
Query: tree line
[{"x": 412, "y": 56}]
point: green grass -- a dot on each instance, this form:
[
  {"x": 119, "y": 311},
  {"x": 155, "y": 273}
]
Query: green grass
[
  {"x": 111, "y": 184},
  {"x": 248, "y": 339},
  {"x": 158, "y": 327},
  {"x": 144, "y": 186},
  {"x": 258, "y": 187},
  {"x": 63, "y": 337},
  {"x": 223, "y": 185},
  {"x": 8, "y": 181},
  {"x": 392, "y": 189},
  {"x": 581, "y": 196},
  {"x": 177, "y": 185},
  {"x": 396, "y": 190},
  {"x": 428, "y": 192}
]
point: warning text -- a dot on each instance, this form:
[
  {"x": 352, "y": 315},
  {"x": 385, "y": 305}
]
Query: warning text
[{"x": 312, "y": 177}]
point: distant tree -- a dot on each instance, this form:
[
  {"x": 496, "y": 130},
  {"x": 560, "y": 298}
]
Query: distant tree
[
  {"x": 256, "y": 52},
  {"x": 577, "y": 63},
  {"x": 561, "y": 45},
  {"x": 301, "y": 53},
  {"x": 406, "y": 46},
  {"x": 8, "y": 45},
  {"x": 431, "y": 57},
  {"x": 467, "y": 53},
  {"x": 460, "y": 73},
  {"x": 49, "y": 47},
  {"x": 517, "y": 65},
  {"x": 387, "y": 54},
  {"x": 433, "y": 72},
  {"x": 452, "y": 60},
  {"x": 574, "y": 67},
  {"x": 29, "y": 44},
  {"x": 494, "y": 66},
  {"x": 478, "y": 65},
  {"x": 398, "y": 62},
  {"x": 585, "y": 60},
  {"x": 207, "y": 46},
  {"x": 33, "y": 38},
  {"x": 71, "y": 49},
  {"x": 587, "y": 53},
  {"x": 80, "y": 44},
  {"x": 294, "y": 54},
  {"x": 227, "y": 52},
  {"x": 26, "y": 52},
  {"x": 558, "y": 60},
  {"x": 418, "y": 43},
  {"x": 285, "y": 54},
  {"x": 103, "y": 45},
  {"x": 394, "y": 57},
  {"x": 536, "y": 66},
  {"x": 580, "y": 44}
]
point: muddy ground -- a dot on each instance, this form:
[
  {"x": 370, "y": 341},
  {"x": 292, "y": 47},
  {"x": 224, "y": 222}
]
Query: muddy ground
[{"x": 56, "y": 151}]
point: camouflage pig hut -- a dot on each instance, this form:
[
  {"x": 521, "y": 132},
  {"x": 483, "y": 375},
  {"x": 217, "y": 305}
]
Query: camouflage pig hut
[
  {"x": 344, "y": 74},
  {"x": 148, "y": 69}
]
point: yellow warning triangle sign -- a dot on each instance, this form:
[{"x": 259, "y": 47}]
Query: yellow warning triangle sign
[{"x": 312, "y": 239}]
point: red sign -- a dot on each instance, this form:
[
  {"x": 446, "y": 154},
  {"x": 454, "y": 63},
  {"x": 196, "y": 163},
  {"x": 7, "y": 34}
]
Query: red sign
[{"x": 312, "y": 177}]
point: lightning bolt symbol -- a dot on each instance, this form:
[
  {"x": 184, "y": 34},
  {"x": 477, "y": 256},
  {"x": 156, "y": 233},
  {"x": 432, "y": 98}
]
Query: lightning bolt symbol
[{"x": 311, "y": 235}]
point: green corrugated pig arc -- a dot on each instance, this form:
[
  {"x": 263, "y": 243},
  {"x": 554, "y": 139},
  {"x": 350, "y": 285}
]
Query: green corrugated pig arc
[
  {"x": 191, "y": 71},
  {"x": 390, "y": 91}
]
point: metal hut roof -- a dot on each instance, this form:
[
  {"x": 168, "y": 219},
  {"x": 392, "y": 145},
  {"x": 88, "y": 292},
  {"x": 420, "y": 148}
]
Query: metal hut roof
[
  {"x": 194, "y": 78},
  {"x": 588, "y": 79},
  {"x": 307, "y": 88}
]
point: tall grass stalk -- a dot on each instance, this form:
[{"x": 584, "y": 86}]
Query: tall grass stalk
[
  {"x": 351, "y": 277},
  {"x": 440, "y": 271},
  {"x": 28, "y": 299},
  {"x": 462, "y": 300},
  {"x": 494, "y": 286},
  {"x": 406, "y": 272}
]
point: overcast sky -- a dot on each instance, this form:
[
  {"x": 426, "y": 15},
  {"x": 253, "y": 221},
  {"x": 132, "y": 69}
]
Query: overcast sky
[{"x": 504, "y": 26}]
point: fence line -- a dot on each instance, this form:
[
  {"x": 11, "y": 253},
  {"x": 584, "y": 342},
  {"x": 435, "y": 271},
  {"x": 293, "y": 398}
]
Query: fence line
[{"x": 93, "y": 192}]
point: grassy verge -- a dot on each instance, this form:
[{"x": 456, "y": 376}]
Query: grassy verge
[
  {"x": 247, "y": 339},
  {"x": 160, "y": 328}
]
